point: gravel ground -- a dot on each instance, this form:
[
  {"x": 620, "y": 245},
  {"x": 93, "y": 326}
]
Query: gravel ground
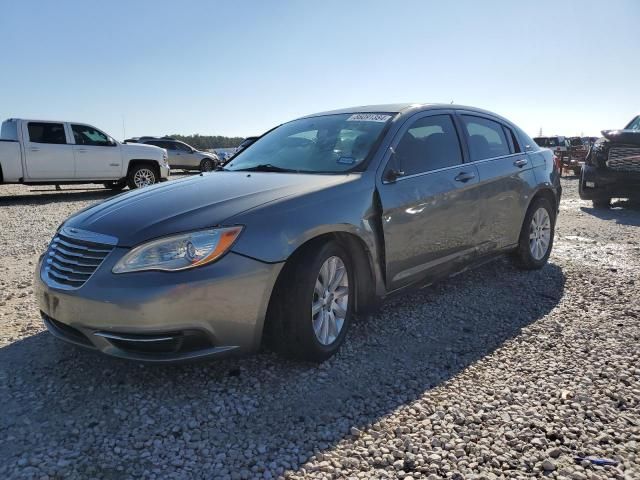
[{"x": 496, "y": 373}]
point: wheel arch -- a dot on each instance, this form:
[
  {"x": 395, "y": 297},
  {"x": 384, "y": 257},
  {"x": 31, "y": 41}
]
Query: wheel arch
[
  {"x": 548, "y": 194},
  {"x": 141, "y": 161},
  {"x": 361, "y": 258}
]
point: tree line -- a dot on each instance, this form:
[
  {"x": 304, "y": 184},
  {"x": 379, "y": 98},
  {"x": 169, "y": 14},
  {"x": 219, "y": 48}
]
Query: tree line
[{"x": 203, "y": 142}]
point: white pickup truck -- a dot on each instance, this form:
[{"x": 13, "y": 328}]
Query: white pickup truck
[{"x": 37, "y": 152}]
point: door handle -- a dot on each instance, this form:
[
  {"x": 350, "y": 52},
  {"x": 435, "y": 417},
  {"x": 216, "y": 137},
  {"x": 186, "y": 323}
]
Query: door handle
[
  {"x": 521, "y": 163},
  {"x": 464, "y": 177},
  {"x": 35, "y": 149},
  {"x": 81, "y": 150}
]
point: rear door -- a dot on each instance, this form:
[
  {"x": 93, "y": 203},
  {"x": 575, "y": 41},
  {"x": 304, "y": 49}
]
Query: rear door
[
  {"x": 97, "y": 155},
  {"x": 506, "y": 176},
  {"x": 186, "y": 157},
  {"x": 429, "y": 212},
  {"x": 48, "y": 152}
]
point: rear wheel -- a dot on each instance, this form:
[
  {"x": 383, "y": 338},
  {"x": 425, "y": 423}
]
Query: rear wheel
[
  {"x": 536, "y": 236},
  {"x": 601, "y": 202},
  {"x": 141, "y": 176},
  {"x": 207, "y": 165},
  {"x": 117, "y": 185},
  {"x": 312, "y": 306}
]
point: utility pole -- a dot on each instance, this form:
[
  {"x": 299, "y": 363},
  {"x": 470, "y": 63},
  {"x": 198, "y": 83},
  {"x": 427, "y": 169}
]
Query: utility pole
[{"x": 540, "y": 132}]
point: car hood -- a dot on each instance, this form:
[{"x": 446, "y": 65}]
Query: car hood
[
  {"x": 142, "y": 151},
  {"x": 198, "y": 202},
  {"x": 206, "y": 154},
  {"x": 630, "y": 137}
]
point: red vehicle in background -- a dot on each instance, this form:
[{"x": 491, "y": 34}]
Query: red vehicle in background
[{"x": 577, "y": 153}]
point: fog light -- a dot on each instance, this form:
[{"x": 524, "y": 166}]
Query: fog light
[{"x": 590, "y": 184}]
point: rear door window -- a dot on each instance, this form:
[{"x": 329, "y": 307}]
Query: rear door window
[
  {"x": 430, "y": 143},
  {"x": 44, "y": 132},
  {"x": 486, "y": 138}
]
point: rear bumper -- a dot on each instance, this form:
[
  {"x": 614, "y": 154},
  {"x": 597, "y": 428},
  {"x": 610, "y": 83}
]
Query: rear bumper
[
  {"x": 596, "y": 183},
  {"x": 163, "y": 317}
]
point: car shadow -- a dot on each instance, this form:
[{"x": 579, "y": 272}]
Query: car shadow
[
  {"x": 623, "y": 212},
  {"x": 38, "y": 197},
  {"x": 282, "y": 410}
]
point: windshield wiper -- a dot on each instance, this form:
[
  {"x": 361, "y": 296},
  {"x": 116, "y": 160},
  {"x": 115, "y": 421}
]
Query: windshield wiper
[{"x": 266, "y": 167}]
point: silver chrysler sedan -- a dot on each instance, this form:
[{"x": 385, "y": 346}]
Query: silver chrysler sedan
[{"x": 317, "y": 221}]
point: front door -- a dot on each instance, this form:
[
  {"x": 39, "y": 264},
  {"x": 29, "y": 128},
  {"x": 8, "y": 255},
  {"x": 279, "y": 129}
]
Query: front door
[
  {"x": 429, "y": 205},
  {"x": 48, "y": 154},
  {"x": 97, "y": 156}
]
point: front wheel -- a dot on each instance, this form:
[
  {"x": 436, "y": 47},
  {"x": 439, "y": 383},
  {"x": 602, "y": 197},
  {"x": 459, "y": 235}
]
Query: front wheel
[
  {"x": 536, "y": 236},
  {"x": 313, "y": 304},
  {"x": 601, "y": 202},
  {"x": 141, "y": 176},
  {"x": 207, "y": 165}
]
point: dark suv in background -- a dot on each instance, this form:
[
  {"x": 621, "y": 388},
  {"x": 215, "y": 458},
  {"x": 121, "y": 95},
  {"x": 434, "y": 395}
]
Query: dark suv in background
[{"x": 612, "y": 166}]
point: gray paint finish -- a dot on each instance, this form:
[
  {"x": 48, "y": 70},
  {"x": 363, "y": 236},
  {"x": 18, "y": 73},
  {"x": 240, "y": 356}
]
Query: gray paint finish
[{"x": 415, "y": 229}]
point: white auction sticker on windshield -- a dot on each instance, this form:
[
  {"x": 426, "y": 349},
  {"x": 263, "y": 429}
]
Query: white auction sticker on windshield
[{"x": 368, "y": 117}]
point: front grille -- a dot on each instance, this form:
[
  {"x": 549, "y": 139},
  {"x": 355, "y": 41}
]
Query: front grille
[
  {"x": 71, "y": 261},
  {"x": 624, "y": 159}
]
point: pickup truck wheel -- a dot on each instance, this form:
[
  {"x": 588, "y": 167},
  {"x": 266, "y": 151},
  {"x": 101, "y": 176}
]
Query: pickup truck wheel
[
  {"x": 206, "y": 165},
  {"x": 601, "y": 202},
  {"x": 116, "y": 186},
  {"x": 536, "y": 236},
  {"x": 141, "y": 176},
  {"x": 313, "y": 305}
]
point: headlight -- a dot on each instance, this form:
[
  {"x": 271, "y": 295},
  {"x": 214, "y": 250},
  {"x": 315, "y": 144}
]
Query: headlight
[{"x": 179, "y": 252}]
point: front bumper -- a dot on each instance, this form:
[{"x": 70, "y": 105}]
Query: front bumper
[
  {"x": 165, "y": 172},
  {"x": 597, "y": 183},
  {"x": 210, "y": 311}
]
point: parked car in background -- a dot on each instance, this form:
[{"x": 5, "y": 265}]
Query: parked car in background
[
  {"x": 182, "y": 155},
  {"x": 245, "y": 143},
  {"x": 557, "y": 143},
  {"x": 37, "y": 152},
  {"x": 321, "y": 219},
  {"x": 560, "y": 146},
  {"x": 612, "y": 166}
]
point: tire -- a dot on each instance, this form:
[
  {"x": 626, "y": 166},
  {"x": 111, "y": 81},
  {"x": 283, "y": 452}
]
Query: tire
[
  {"x": 116, "y": 186},
  {"x": 540, "y": 216},
  {"x": 601, "y": 202},
  {"x": 141, "y": 176},
  {"x": 292, "y": 324},
  {"x": 207, "y": 165}
]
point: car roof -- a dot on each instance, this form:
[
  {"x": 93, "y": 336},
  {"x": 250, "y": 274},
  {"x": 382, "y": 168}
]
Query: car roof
[{"x": 403, "y": 108}]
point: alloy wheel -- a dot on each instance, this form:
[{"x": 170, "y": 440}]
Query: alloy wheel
[
  {"x": 540, "y": 233},
  {"x": 330, "y": 300},
  {"x": 143, "y": 178}
]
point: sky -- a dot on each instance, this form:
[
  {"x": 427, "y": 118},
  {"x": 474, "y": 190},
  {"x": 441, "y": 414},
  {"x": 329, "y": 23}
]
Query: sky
[{"x": 240, "y": 67}]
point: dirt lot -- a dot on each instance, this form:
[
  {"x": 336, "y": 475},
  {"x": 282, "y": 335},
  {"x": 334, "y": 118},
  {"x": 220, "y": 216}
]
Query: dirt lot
[{"x": 496, "y": 373}]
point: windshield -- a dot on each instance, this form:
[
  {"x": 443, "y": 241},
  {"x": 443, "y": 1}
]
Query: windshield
[
  {"x": 325, "y": 144},
  {"x": 541, "y": 141},
  {"x": 635, "y": 124},
  {"x": 576, "y": 142}
]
